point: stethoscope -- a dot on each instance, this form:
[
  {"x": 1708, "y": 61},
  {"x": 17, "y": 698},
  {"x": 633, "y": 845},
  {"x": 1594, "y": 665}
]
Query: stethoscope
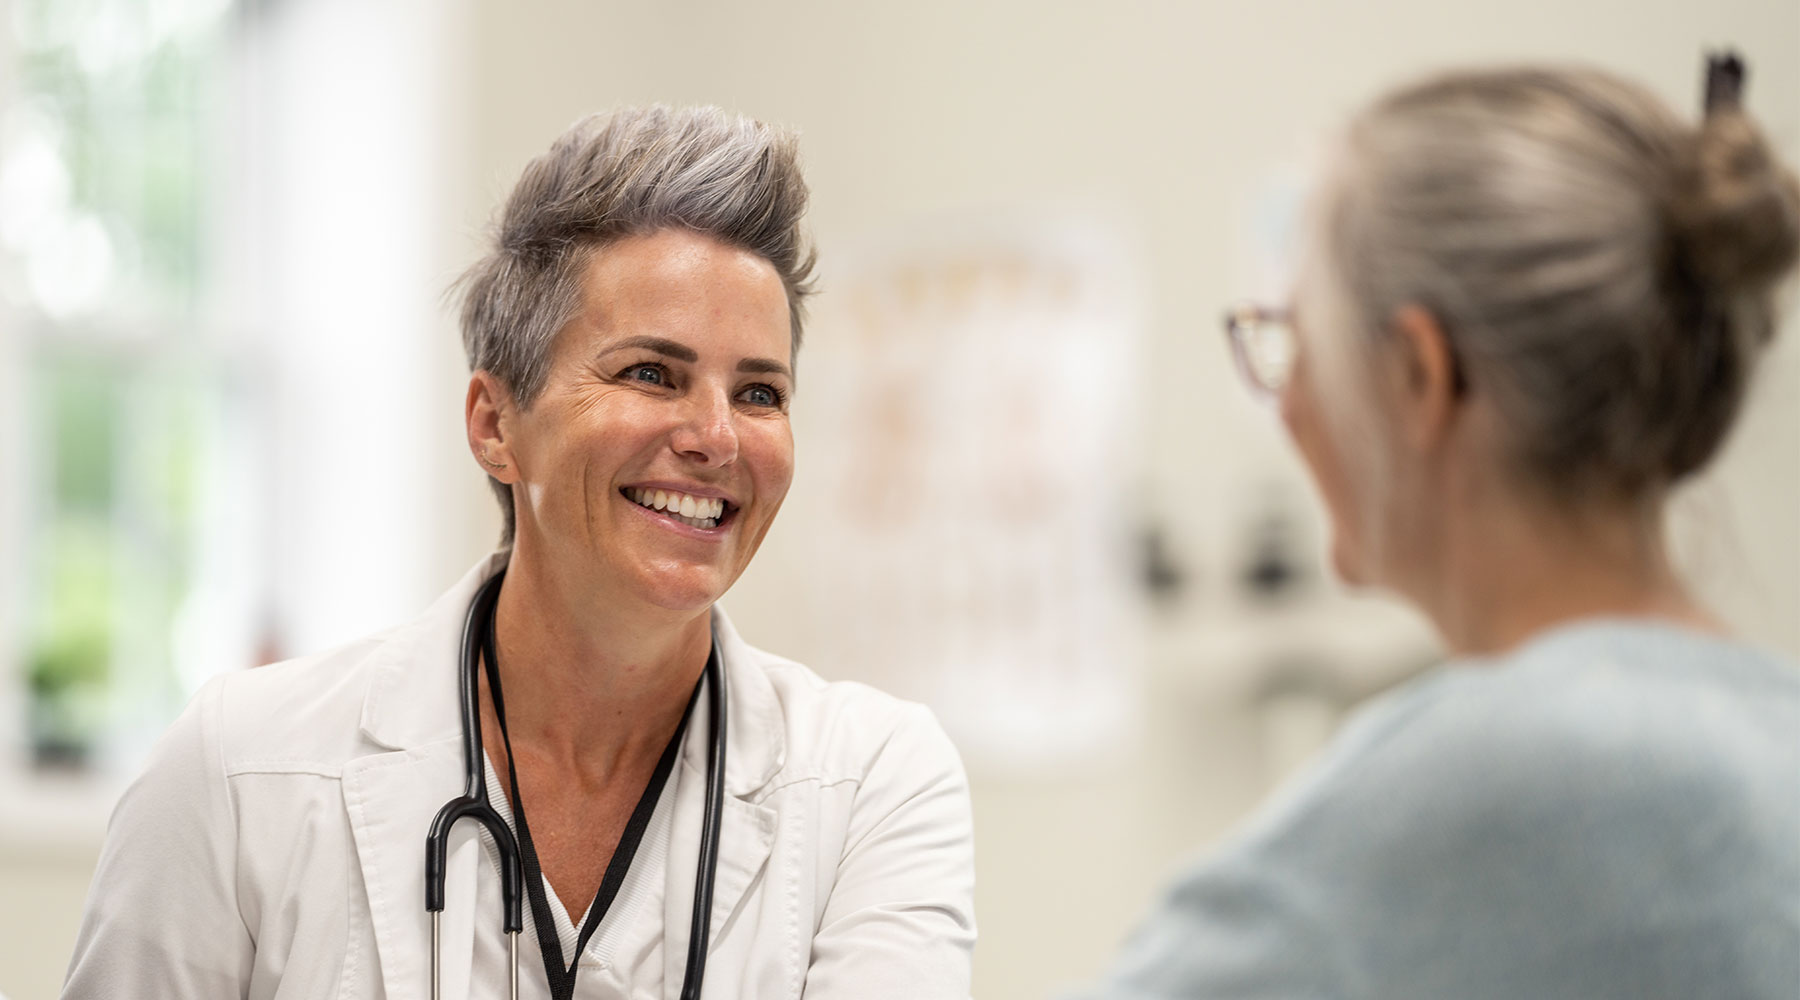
[{"x": 473, "y": 803}]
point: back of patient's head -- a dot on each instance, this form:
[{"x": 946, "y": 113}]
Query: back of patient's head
[{"x": 1605, "y": 272}]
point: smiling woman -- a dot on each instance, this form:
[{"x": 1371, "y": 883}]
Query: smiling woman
[
  {"x": 671, "y": 380},
  {"x": 632, "y": 337}
]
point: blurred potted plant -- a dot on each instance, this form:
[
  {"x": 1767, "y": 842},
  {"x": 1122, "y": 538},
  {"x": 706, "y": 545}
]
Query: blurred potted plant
[
  {"x": 68, "y": 668},
  {"x": 67, "y": 683}
]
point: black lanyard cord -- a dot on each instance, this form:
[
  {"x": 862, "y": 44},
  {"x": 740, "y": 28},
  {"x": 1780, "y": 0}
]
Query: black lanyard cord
[{"x": 561, "y": 976}]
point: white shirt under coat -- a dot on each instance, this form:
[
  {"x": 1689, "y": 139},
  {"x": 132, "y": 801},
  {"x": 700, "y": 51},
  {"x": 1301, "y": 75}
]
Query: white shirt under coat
[{"x": 274, "y": 846}]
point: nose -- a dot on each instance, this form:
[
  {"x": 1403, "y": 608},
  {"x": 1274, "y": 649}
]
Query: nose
[{"x": 706, "y": 432}]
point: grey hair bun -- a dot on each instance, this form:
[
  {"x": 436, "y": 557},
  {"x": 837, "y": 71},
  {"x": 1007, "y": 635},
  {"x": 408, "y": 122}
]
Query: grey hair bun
[
  {"x": 1737, "y": 217},
  {"x": 1735, "y": 223}
]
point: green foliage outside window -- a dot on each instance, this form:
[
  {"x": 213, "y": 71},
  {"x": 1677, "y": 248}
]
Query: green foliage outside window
[{"x": 112, "y": 103}]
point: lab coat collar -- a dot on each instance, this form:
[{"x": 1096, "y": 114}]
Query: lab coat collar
[
  {"x": 754, "y": 744},
  {"x": 413, "y": 696}
]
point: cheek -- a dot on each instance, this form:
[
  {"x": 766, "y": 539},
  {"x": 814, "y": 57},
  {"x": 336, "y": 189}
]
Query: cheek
[
  {"x": 1299, "y": 412},
  {"x": 1319, "y": 451},
  {"x": 770, "y": 451}
]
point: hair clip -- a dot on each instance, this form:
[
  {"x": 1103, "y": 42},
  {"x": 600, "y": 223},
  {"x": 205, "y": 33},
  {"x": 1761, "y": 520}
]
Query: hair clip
[{"x": 1724, "y": 82}]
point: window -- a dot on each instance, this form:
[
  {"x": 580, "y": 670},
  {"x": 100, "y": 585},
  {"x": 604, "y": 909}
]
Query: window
[{"x": 108, "y": 138}]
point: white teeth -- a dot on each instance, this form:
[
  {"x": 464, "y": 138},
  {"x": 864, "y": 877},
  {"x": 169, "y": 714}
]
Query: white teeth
[{"x": 701, "y": 512}]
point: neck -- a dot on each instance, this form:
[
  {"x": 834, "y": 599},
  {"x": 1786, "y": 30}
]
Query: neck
[
  {"x": 592, "y": 683},
  {"x": 1504, "y": 571}
]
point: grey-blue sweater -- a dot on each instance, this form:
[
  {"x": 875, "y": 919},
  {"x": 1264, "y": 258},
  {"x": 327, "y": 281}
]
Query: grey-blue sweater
[{"x": 1610, "y": 811}]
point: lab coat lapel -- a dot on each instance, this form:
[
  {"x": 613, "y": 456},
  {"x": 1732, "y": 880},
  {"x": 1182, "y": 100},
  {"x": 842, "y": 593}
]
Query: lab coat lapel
[
  {"x": 391, "y": 798},
  {"x": 746, "y": 834},
  {"x": 755, "y": 749}
]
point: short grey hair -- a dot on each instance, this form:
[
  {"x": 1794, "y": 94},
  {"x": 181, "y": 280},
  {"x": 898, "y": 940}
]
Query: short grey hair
[
  {"x": 1605, "y": 271},
  {"x": 632, "y": 172}
]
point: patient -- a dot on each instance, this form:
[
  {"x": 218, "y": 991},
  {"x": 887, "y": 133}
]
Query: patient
[{"x": 1533, "y": 303}]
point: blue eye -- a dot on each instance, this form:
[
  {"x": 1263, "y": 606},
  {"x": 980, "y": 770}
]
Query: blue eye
[
  {"x": 762, "y": 395},
  {"x": 652, "y": 374}
]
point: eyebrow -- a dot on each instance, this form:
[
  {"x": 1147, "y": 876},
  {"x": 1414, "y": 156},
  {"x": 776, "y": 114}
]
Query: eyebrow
[
  {"x": 661, "y": 345},
  {"x": 682, "y": 352},
  {"x": 764, "y": 366}
]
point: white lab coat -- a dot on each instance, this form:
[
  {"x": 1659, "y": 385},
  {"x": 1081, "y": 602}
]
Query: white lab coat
[{"x": 274, "y": 845}]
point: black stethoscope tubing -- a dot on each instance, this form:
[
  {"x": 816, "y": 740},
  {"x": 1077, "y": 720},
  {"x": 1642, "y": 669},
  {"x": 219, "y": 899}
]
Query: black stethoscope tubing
[{"x": 473, "y": 804}]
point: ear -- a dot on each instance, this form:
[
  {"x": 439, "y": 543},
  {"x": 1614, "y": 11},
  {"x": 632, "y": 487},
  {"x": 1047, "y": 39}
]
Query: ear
[
  {"x": 488, "y": 414},
  {"x": 1426, "y": 379}
]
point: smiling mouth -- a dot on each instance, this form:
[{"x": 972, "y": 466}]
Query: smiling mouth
[{"x": 698, "y": 512}]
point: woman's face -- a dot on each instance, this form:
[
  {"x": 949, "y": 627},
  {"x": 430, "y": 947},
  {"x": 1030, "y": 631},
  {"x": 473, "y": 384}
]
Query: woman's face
[{"x": 659, "y": 450}]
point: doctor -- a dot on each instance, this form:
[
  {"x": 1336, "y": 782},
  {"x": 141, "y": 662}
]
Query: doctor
[{"x": 633, "y": 333}]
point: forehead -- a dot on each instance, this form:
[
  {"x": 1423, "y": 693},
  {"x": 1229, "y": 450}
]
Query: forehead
[{"x": 683, "y": 285}]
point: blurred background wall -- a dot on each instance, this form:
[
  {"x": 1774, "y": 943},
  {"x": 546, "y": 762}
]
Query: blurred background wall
[{"x": 234, "y": 389}]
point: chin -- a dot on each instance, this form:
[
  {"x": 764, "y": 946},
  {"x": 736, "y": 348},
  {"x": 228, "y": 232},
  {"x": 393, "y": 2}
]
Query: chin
[{"x": 685, "y": 588}]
